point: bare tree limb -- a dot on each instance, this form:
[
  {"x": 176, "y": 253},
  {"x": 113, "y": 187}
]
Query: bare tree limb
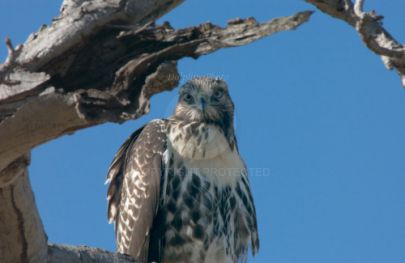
[
  {"x": 22, "y": 237},
  {"x": 83, "y": 254},
  {"x": 370, "y": 29},
  {"x": 108, "y": 78},
  {"x": 79, "y": 20}
]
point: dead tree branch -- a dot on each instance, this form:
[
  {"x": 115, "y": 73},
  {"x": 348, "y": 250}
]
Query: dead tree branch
[
  {"x": 109, "y": 77},
  {"x": 22, "y": 236},
  {"x": 99, "y": 61},
  {"x": 83, "y": 254},
  {"x": 370, "y": 28}
]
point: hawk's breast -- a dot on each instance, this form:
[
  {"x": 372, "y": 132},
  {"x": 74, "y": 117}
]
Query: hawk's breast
[
  {"x": 197, "y": 141},
  {"x": 205, "y": 197}
]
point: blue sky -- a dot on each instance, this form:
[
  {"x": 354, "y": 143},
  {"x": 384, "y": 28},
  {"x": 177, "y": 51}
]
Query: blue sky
[{"x": 315, "y": 110}]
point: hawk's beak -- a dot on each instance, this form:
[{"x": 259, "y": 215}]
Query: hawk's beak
[{"x": 203, "y": 104}]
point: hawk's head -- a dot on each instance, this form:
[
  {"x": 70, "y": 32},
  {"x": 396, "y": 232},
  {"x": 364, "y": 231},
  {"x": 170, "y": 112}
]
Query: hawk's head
[
  {"x": 207, "y": 100},
  {"x": 205, "y": 110}
]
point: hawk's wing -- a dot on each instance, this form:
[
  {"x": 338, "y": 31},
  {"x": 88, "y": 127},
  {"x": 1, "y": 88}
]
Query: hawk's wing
[{"x": 133, "y": 194}]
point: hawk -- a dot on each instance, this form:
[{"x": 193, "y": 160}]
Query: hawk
[{"x": 178, "y": 188}]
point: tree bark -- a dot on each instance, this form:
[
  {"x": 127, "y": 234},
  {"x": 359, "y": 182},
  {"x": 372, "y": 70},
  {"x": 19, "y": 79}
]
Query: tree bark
[
  {"x": 83, "y": 254},
  {"x": 99, "y": 61},
  {"x": 110, "y": 77},
  {"x": 22, "y": 237}
]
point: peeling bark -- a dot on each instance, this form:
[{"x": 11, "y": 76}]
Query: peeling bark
[
  {"x": 99, "y": 61},
  {"x": 370, "y": 28}
]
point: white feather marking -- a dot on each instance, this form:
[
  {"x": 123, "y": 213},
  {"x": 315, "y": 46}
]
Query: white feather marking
[
  {"x": 141, "y": 185},
  {"x": 108, "y": 181},
  {"x": 166, "y": 159},
  {"x": 189, "y": 231},
  {"x": 201, "y": 146},
  {"x": 222, "y": 165}
]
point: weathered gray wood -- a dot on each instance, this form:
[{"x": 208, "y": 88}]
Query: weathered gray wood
[
  {"x": 39, "y": 117},
  {"x": 370, "y": 28},
  {"x": 79, "y": 20},
  {"x": 20, "y": 83},
  {"x": 109, "y": 78},
  {"x": 22, "y": 238},
  {"x": 84, "y": 254}
]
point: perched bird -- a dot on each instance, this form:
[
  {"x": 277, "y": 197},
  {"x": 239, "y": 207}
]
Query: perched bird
[{"x": 179, "y": 190}]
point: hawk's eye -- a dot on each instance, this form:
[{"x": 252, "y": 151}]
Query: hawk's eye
[
  {"x": 218, "y": 93},
  {"x": 188, "y": 98}
]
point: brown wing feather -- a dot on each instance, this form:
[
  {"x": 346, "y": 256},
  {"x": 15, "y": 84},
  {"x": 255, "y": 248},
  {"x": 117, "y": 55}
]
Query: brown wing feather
[
  {"x": 133, "y": 195},
  {"x": 116, "y": 174}
]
